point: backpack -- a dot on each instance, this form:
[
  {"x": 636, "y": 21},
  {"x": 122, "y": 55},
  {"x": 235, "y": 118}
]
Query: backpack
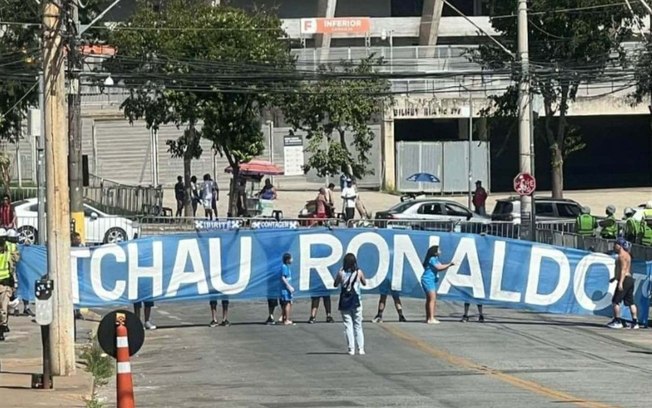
[{"x": 349, "y": 299}]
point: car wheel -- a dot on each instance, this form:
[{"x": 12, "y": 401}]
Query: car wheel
[
  {"x": 115, "y": 235},
  {"x": 27, "y": 235}
]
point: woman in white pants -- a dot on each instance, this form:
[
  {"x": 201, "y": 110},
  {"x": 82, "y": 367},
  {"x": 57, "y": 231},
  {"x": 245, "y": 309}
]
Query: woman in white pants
[{"x": 350, "y": 277}]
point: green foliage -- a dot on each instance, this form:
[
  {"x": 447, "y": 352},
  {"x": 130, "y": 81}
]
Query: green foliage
[
  {"x": 97, "y": 363},
  {"x": 643, "y": 72},
  {"x": 566, "y": 49},
  {"x": 345, "y": 98}
]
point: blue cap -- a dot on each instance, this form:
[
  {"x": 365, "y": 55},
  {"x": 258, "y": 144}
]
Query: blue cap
[{"x": 623, "y": 243}]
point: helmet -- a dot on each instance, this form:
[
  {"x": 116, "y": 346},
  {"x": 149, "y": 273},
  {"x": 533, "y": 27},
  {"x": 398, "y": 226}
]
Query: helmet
[
  {"x": 611, "y": 209},
  {"x": 12, "y": 233},
  {"x": 3, "y": 233},
  {"x": 586, "y": 210},
  {"x": 629, "y": 211},
  {"x": 648, "y": 205}
]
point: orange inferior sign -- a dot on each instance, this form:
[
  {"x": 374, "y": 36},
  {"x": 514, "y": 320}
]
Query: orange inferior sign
[{"x": 335, "y": 25}]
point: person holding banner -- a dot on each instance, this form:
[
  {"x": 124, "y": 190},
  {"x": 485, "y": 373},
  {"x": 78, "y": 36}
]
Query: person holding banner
[
  {"x": 286, "y": 289},
  {"x": 351, "y": 277},
  {"x": 429, "y": 280},
  {"x": 225, "y": 313},
  {"x": 625, "y": 289}
]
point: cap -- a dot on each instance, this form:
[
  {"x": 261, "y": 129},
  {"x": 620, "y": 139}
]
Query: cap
[
  {"x": 586, "y": 210},
  {"x": 623, "y": 243},
  {"x": 12, "y": 233},
  {"x": 611, "y": 209},
  {"x": 3, "y": 233},
  {"x": 629, "y": 211}
]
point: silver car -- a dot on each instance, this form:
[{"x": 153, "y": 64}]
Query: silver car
[{"x": 433, "y": 214}]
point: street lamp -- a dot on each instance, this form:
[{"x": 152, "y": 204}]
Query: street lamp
[{"x": 470, "y": 146}]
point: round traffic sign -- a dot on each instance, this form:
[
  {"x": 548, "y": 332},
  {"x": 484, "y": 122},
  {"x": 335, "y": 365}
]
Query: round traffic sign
[
  {"x": 106, "y": 332},
  {"x": 525, "y": 184}
]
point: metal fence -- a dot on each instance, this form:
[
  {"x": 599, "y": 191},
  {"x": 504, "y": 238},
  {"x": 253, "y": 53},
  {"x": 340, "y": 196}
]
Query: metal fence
[
  {"x": 593, "y": 244},
  {"x": 122, "y": 199}
]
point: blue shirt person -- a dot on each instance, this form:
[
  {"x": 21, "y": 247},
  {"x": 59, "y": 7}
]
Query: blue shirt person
[
  {"x": 286, "y": 289},
  {"x": 429, "y": 280}
]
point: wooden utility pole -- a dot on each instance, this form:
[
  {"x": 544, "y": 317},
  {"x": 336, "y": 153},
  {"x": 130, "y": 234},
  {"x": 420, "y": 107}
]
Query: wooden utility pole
[
  {"x": 57, "y": 192},
  {"x": 74, "y": 122}
]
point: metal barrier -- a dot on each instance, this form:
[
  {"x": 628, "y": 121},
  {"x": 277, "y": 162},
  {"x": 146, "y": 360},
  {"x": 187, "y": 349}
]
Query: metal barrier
[
  {"x": 123, "y": 199},
  {"x": 594, "y": 244},
  {"x": 99, "y": 229}
]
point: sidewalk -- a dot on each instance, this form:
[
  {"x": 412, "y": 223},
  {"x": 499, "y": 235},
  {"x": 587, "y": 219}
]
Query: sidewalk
[{"x": 20, "y": 357}]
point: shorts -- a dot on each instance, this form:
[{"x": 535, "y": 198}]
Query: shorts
[
  {"x": 386, "y": 289},
  {"x": 272, "y": 302},
  {"x": 207, "y": 203},
  {"x": 286, "y": 302},
  {"x": 286, "y": 296},
  {"x": 320, "y": 297},
  {"x": 225, "y": 303},
  {"x": 428, "y": 282},
  {"x": 627, "y": 294},
  {"x": 147, "y": 304}
]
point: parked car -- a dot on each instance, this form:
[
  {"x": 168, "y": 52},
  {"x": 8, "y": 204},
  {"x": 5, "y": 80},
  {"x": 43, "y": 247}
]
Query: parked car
[
  {"x": 440, "y": 212},
  {"x": 545, "y": 209},
  {"x": 100, "y": 228}
]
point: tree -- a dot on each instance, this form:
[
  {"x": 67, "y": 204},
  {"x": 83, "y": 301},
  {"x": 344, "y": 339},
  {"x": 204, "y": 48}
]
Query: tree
[
  {"x": 345, "y": 97},
  {"x": 209, "y": 70},
  {"x": 571, "y": 43}
]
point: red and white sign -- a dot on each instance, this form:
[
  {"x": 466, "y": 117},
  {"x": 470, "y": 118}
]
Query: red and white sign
[
  {"x": 525, "y": 184},
  {"x": 358, "y": 25}
]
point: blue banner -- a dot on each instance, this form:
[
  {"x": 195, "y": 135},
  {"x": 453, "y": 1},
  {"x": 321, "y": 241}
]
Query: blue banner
[{"x": 245, "y": 264}]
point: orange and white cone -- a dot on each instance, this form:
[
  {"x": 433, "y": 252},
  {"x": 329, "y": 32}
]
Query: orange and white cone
[{"x": 124, "y": 382}]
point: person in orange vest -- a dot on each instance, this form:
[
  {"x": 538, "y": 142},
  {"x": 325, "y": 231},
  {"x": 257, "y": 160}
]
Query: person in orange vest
[{"x": 480, "y": 198}]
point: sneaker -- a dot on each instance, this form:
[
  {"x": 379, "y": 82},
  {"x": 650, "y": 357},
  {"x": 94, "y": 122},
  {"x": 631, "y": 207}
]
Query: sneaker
[
  {"x": 351, "y": 352},
  {"x": 2, "y": 336},
  {"x": 150, "y": 326},
  {"x": 433, "y": 321},
  {"x": 213, "y": 323},
  {"x": 225, "y": 323},
  {"x": 635, "y": 326},
  {"x": 330, "y": 319},
  {"x": 465, "y": 319},
  {"x": 270, "y": 321},
  {"x": 28, "y": 312},
  {"x": 615, "y": 324},
  {"x": 377, "y": 319},
  {"x": 312, "y": 320},
  {"x": 402, "y": 319},
  {"x": 361, "y": 352},
  {"x": 481, "y": 319}
]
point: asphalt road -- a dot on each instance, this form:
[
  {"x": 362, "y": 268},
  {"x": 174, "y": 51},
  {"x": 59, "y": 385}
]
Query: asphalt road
[{"x": 515, "y": 359}]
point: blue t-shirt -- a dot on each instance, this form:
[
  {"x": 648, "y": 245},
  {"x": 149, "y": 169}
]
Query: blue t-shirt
[
  {"x": 431, "y": 269},
  {"x": 285, "y": 273}
]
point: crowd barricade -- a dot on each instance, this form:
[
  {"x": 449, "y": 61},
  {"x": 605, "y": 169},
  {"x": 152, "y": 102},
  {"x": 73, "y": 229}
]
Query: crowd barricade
[{"x": 592, "y": 243}]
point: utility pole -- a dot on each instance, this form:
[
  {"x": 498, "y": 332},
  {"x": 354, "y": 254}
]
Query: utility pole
[
  {"x": 524, "y": 119},
  {"x": 74, "y": 121},
  {"x": 56, "y": 169}
]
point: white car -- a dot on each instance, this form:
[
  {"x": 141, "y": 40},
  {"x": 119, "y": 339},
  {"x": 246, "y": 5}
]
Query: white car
[
  {"x": 433, "y": 213},
  {"x": 100, "y": 228}
]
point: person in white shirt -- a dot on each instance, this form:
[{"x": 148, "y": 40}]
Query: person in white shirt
[{"x": 349, "y": 195}]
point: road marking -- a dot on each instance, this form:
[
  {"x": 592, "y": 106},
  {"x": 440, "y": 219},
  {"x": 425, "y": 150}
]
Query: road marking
[{"x": 465, "y": 363}]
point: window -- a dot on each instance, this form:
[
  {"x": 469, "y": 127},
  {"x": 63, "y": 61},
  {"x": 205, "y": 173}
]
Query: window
[
  {"x": 568, "y": 210},
  {"x": 401, "y": 207},
  {"x": 503, "y": 207},
  {"x": 544, "y": 209},
  {"x": 456, "y": 210},
  {"x": 430, "y": 209}
]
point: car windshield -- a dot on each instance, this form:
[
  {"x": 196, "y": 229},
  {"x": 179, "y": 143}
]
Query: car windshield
[
  {"x": 400, "y": 207},
  {"x": 503, "y": 207}
]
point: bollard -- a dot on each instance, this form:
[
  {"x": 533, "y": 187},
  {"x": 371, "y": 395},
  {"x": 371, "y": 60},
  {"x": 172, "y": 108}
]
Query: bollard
[{"x": 124, "y": 383}]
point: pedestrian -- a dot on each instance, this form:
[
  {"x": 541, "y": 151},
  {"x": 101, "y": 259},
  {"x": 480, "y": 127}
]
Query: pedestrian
[
  {"x": 465, "y": 317},
  {"x": 430, "y": 279},
  {"x": 286, "y": 289},
  {"x": 625, "y": 289},
  {"x": 241, "y": 198},
  {"x": 76, "y": 242},
  {"x": 480, "y": 199},
  {"x": 351, "y": 277},
  {"x": 268, "y": 192},
  {"x": 609, "y": 225},
  {"x": 385, "y": 290},
  {"x": 225, "y": 313},
  {"x": 7, "y": 213},
  {"x": 322, "y": 203},
  {"x": 147, "y": 313},
  {"x": 207, "y": 196},
  {"x": 216, "y": 196},
  {"x": 585, "y": 223},
  {"x": 272, "y": 303},
  {"x": 314, "y": 306},
  {"x": 194, "y": 195},
  {"x": 330, "y": 202},
  {"x": 349, "y": 196},
  {"x": 632, "y": 229},
  {"x": 7, "y": 284},
  {"x": 12, "y": 245},
  {"x": 180, "y": 196}
]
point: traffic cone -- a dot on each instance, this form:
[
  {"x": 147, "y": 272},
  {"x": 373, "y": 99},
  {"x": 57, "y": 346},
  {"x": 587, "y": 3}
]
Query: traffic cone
[{"x": 125, "y": 385}]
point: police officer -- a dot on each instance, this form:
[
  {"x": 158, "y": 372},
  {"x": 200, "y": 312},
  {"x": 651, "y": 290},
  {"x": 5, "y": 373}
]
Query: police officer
[
  {"x": 609, "y": 225},
  {"x": 632, "y": 227},
  {"x": 6, "y": 283},
  {"x": 646, "y": 225},
  {"x": 585, "y": 223},
  {"x": 12, "y": 247}
]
